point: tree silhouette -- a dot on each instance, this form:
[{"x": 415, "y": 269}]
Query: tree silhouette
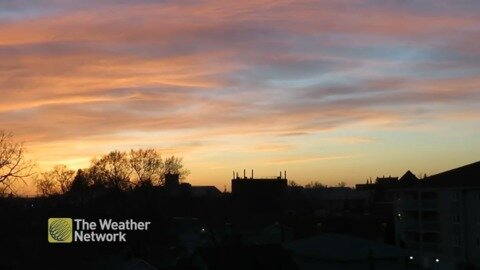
[
  {"x": 112, "y": 170},
  {"x": 293, "y": 184},
  {"x": 56, "y": 181},
  {"x": 147, "y": 167},
  {"x": 46, "y": 186},
  {"x": 315, "y": 184},
  {"x": 62, "y": 176},
  {"x": 13, "y": 164},
  {"x": 174, "y": 165},
  {"x": 115, "y": 170},
  {"x": 80, "y": 182},
  {"x": 341, "y": 184}
]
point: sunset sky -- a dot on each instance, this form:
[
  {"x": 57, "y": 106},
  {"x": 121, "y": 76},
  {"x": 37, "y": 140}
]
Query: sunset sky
[{"x": 326, "y": 90}]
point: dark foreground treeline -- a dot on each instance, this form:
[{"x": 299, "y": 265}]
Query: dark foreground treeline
[{"x": 186, "y": 232}]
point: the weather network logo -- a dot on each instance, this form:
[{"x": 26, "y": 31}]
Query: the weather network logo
[
  {"x": 68, "y": 230},
  {"x": 60, "y": 230}
]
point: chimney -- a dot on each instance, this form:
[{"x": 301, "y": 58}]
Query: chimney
[
  {"x": 285, "y": 174},
  {"x": 172, "y": 180},
  {"x": 252, "y": 174},
  {"x": 244, "y": 174}
]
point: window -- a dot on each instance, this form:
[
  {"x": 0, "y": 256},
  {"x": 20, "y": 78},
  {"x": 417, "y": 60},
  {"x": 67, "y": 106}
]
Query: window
[
  {"x": 455, "y": 195},
  {"x": 456, "y": 241},
  {"x": 412, "y": 236},
  {"x": 431, "y": 237},
  {"x": 456, "y": 218},
  {"x": 429, "y": 195},
  {"x": 429, "y": 215}
]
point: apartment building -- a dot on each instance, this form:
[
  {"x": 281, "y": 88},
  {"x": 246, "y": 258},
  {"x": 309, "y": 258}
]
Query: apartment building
[{"x": 439, "y": 216}]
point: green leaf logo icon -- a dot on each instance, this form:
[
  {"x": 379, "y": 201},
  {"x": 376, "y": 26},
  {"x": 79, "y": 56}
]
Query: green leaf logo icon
[{"x": 60, "y": 230}]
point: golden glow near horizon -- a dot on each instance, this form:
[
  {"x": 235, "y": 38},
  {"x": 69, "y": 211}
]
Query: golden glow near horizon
[{"x": 327, "y": 90}]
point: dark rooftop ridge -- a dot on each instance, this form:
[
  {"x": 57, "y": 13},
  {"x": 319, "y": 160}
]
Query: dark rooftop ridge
[
  {"x": 408, "y": 176},
  {"x": 468, "y": 175}
]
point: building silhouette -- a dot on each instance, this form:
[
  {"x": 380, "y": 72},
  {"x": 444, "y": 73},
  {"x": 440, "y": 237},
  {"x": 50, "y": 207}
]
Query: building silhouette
[
  {"x": 257, "y": 188},
  {"x": 440, "y": 216},
  {"x": 174, "y": 187}
]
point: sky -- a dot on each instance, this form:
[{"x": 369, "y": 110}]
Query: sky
[{"x": 329, "y": 91}]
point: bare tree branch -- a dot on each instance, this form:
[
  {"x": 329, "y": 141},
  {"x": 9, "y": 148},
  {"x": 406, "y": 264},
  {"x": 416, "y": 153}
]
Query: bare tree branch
[
  {"x": 13, "y": 165},
  {"x": 147, "y": 166}
]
